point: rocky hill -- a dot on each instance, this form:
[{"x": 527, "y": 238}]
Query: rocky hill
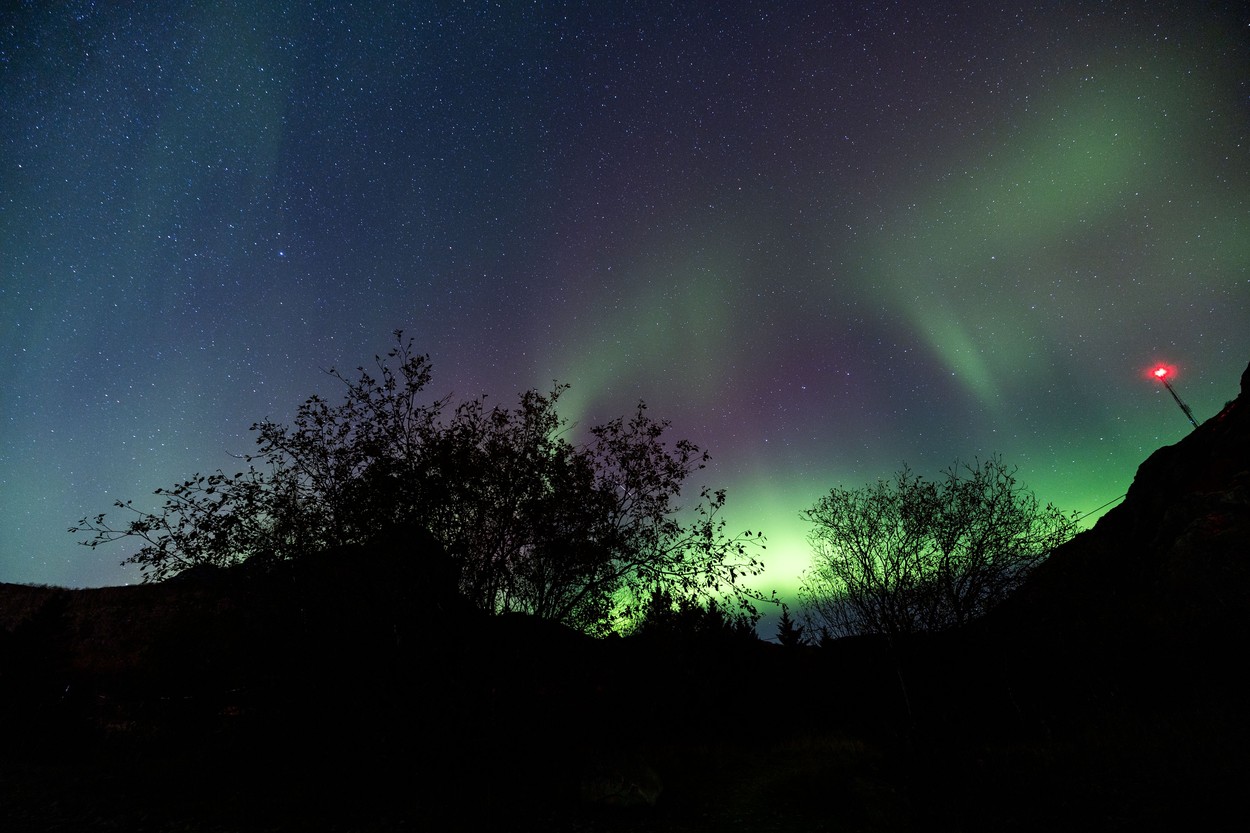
[{"x": 1161, "y": 584}]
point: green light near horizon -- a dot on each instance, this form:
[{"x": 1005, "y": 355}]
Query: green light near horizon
[{"x": 773, "y": 505}]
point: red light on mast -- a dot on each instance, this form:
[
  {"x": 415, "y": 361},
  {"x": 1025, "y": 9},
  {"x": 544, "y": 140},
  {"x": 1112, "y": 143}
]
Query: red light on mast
[{"x": 1162, "y": 372}]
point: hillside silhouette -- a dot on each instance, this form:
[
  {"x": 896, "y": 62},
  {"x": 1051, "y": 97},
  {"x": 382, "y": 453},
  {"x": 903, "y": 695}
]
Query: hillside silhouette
[{"x": 357, "y": 690}]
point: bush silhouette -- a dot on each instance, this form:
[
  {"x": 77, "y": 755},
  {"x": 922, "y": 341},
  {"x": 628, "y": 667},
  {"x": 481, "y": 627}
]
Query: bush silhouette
[
  {"x": 579, "y": 534},
  {"x": 909, "y": 555}
]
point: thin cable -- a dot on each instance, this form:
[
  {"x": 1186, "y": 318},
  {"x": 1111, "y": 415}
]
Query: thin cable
[{"x": 1104, "y": 506}]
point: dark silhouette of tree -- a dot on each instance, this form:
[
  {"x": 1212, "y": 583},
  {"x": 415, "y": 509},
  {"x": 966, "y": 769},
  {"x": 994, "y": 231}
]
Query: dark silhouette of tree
[
  {"x": 652, "y": 541},
  {"x": 320, "y": 481},
  {"x": 663, "y": 614},
  {"x": 213, "y": 520},
  {"x": 908, "y": 555},
  {"x": 789, "y": 634},
  {"x": 575, "y": 533}
]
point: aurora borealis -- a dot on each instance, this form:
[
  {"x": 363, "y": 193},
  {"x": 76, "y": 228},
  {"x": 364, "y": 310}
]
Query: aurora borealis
[{"x": 824, "y": 239}]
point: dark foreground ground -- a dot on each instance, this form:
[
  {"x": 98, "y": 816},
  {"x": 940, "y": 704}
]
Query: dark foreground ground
[
  {"x": 816, "y": 784},
  {"x": 782, "y": 757}
]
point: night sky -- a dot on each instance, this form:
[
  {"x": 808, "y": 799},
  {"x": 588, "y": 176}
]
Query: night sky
[{"x": 824, "y": 239}]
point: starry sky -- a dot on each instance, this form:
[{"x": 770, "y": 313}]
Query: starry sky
[{"x": 824, "y": 239}]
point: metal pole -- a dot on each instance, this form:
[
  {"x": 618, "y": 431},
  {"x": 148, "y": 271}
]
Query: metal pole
[{"x": 1184, "y": 407}]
